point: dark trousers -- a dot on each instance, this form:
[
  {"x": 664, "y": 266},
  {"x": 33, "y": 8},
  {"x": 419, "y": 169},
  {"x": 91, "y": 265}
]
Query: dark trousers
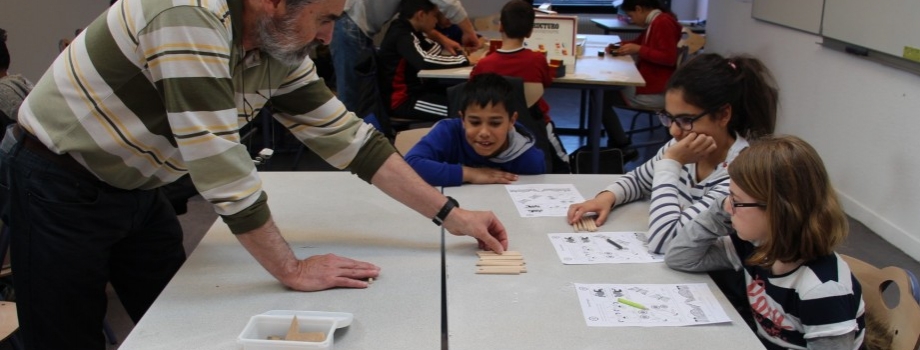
[{"x": 70, "y": 236}]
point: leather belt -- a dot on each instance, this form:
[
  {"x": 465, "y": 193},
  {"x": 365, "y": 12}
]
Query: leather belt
[{"x": 66, "y": 162}]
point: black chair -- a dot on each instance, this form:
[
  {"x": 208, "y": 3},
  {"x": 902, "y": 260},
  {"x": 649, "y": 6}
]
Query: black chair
[{"x": 610, "y": 161}]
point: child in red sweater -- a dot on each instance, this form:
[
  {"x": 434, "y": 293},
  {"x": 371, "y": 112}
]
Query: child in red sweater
[
  {"x": 656, "y": 52},
  {"x": 513, "y": 59}
]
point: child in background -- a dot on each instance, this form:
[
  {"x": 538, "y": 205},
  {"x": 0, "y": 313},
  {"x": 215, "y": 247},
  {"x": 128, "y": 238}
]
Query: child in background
[
  {"x": 656, "y": 58},
  {"x": 516, "y": 24},
  {"x": 780, "y": 224},
  {"x": 712, "y": 106},
  {"x": 405, "y": 50},
  {"x": 13, "y": 87},
  {"x": 484, "y": 146}
]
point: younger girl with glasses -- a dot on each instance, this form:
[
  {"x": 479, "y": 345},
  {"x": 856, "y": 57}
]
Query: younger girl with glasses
[
  {"x": 779, "y": 225},
  {"x": 712, "y": 106}
]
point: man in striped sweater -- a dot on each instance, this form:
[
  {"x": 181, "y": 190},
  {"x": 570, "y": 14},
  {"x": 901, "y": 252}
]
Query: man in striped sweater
[{"x": 150, "y": 91}]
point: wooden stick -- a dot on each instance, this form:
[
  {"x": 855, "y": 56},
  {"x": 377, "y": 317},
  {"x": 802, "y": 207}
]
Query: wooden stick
[
  {"x": 294, "y": 334},
  {"x": 589, "y": 223},
  {"x": 500, "y": 263},
  {"x": 501, "y": 270}
]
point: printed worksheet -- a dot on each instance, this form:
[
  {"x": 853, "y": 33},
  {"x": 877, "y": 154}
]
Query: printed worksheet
[
  {"x": 602, "y": 248},
  {"x": 544, "y": 199},
  {"x": 649, "y": 305}
]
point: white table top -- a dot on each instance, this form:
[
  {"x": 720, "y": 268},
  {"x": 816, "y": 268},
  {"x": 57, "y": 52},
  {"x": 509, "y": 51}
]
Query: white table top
[
  {"x": 540, "y": 309},
  {"x": 589, "y": 68},
  {"x": 213, "y": 295}
]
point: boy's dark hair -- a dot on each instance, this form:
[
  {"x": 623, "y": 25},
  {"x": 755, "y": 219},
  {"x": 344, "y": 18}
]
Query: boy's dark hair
[
  {"x": 488, "y": 88},
  {"x": 408, "y": 8},
  {"x": 517, "y": 19},
  {"x": 710, "y": 82},
  {"x": 4, "y": 51},
  {"x": 630, "y": 5}
]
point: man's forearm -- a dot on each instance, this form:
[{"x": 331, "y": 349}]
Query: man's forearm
[
  {"x": 270, "y": 249},
  {"x": 467, "y": 27},
  {"x": 398, "y": 180}
]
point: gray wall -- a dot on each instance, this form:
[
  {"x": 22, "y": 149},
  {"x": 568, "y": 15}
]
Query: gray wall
[{"x": 35, "y": 26}]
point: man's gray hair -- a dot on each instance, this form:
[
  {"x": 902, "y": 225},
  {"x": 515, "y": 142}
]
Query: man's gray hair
[{"x": 297, "y": 5}]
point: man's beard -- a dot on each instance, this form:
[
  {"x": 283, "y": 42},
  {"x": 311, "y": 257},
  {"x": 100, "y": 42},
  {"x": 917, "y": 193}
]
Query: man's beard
[{"x": 274, "y": 37}]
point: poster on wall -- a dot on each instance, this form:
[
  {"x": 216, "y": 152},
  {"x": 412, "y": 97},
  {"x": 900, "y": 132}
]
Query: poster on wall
[{"x": 555, "y": 35}]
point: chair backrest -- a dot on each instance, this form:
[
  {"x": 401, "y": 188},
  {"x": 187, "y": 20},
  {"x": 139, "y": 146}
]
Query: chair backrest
[
  {"x": 532, "y": 93},
  {"x": 690, "y": 44},
  {"x": 406, "y": 139},
  {"x": 610, "y": 161},
  {"x": 904, "y": 319}
]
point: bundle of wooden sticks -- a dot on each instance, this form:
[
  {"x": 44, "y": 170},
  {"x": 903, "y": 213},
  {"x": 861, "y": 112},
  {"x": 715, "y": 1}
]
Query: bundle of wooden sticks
[
  {"x": 509, "y": 263},
  {"x": 586, "y": 223}
]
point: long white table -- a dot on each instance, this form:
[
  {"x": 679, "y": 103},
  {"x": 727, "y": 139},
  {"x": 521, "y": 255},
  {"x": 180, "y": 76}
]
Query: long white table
[
  {"x": 213, "y": 295},
  {"x": 540, "y": 309},
  {"x": 592, "y": 73}
]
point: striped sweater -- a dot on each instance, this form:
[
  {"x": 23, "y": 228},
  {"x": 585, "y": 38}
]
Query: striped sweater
[
  {"x": 153, "y": 89},
  {"x": 676, "y": 197}
]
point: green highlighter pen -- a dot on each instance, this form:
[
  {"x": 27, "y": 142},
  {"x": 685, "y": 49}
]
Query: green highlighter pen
[{"x": 632, "y": 303}]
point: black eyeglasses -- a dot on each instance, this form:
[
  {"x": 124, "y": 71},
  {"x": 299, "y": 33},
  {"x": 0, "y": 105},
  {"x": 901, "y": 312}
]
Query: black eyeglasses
[
  {"x": 734, "y": 205},
  {"x": 684, "y": 121}
]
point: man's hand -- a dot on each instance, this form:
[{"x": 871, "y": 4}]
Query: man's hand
[
  {"x": 266, "y": 244},
  {"x": 447, "y": 44},
  {"x": 397, "y": 179},
  {"x": 321, "y": 272},
  {"x": 487, "y": 176},
  {"x": 482, "y": 225},
  {"x": 469, "y": 38},
  {"x": 601, "y": 204},
  {"x": 691, "y": 149}
]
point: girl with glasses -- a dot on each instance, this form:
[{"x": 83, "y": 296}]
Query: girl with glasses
[
  {"x": 779, "y": 226},
  {"x": 712, "y": 106}
]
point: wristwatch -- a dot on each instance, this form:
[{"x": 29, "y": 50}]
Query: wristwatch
[{"x": 442, "y": 214}]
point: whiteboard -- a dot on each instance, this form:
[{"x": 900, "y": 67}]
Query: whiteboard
[
  {"x": 803, "y": 15},
  {"x": 887, "y": 26}
]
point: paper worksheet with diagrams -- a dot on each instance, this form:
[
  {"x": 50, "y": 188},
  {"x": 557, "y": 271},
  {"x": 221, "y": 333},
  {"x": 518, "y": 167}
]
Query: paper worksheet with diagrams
[
  {"x": 649, "y": 305},
  {"x": 544, "y": 199},
  {"x": 602, "y": 248}
]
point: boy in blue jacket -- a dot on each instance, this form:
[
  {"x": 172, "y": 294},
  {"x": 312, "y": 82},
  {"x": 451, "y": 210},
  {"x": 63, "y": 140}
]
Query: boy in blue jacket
[{"x": 485, "y": 145}]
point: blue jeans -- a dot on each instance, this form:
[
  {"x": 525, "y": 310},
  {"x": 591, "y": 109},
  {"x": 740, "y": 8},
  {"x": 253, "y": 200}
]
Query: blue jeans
[
  {"x": 70, "y": 236},
  {"x": 354, "y": 60}
]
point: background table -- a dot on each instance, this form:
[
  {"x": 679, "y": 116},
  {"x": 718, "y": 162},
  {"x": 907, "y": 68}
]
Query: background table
[
  {"x": 211, "y": 298},
  {"x": 592, "y": 73},
  {"x": 615, "y": 26},
  {"x": 540, "y": 309}
]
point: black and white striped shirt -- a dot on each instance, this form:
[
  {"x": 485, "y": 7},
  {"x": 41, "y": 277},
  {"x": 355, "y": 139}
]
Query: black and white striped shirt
[{"x": 676, "y": 196}]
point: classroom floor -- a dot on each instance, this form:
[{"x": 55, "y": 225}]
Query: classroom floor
[{"x": 861, "y": 243}]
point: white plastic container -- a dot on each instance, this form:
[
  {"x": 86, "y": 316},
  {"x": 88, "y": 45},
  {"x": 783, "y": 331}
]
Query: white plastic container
[{"x": 277, "y": 322}]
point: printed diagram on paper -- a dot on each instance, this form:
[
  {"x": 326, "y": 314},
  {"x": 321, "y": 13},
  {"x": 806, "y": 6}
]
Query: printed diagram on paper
[
  {"x": 544, "y": 199},
  {"x": 649, "y": 305},
  {"x": 602, "y": 248}
]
